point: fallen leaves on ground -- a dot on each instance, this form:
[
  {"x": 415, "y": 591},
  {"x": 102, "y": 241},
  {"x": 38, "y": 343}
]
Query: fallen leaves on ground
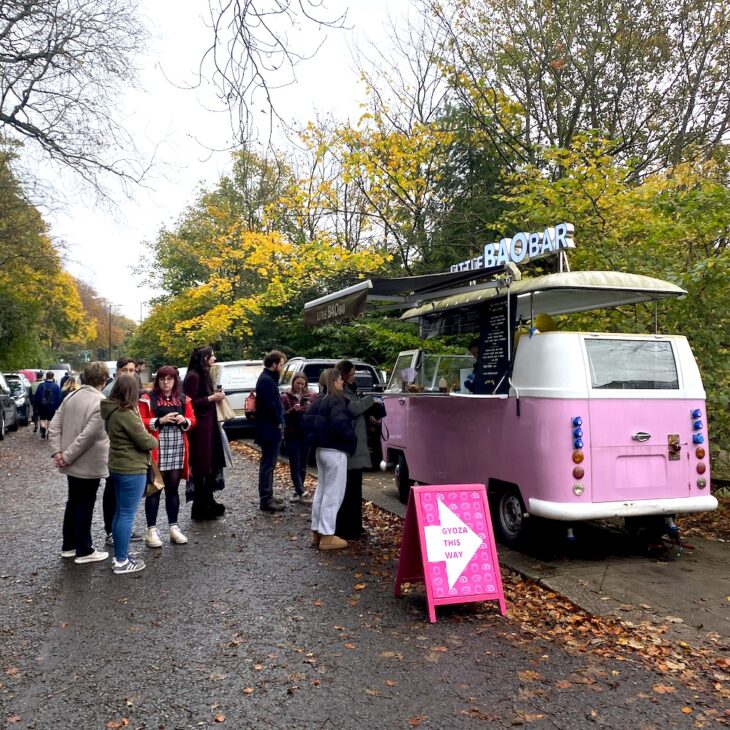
[
  {"x": 713, "y": 525},
  {"x": 544, "y": 614}
]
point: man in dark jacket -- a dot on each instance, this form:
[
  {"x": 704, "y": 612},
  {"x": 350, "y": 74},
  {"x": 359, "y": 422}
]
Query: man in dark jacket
[
  {"x": 46, "y": 401},
  {"x": 269, "y": 428}
]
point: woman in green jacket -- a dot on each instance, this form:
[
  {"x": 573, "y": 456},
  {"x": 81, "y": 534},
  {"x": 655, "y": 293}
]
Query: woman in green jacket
[{"x": 129, "y": 456}]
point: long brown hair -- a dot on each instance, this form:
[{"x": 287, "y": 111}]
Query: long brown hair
[{"x": 125, "y": 391}]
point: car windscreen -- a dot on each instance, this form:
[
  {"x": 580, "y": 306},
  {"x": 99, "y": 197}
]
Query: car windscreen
[
  {"x": 16, "y": 388},
  {"x": 240, "y": 376},
  {"x": 631, "y": 364}
]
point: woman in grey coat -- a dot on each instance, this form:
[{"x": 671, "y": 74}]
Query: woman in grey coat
[
  {"x": 349, "y": 517},
  {"x": 80, "y": 448}
]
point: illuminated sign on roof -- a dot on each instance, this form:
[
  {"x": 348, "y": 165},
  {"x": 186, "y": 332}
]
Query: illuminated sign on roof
[{"x": 521, "y": 248}]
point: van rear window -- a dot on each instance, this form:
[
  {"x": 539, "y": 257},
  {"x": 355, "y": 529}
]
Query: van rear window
[{"x": 631, "y": 365}]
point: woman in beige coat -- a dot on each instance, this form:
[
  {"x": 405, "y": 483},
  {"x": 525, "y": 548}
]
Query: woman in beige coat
[{"x": 81, "y": 452}]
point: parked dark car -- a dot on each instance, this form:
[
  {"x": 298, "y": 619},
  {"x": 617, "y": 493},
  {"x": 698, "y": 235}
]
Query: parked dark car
[
  {"x": 21, "y": 394},
  {"x": 8, "y": 409}
]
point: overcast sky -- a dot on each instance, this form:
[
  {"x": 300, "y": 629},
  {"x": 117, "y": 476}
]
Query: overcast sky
[{"x": 182, "y": 129}]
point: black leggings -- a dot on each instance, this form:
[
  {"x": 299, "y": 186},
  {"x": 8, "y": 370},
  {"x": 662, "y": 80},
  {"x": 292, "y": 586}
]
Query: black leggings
[{"x": 172, "y": 499}]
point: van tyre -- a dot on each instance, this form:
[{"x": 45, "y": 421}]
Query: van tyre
[
  {"x": 403, "y": 481},
  {"x": 2, "y": 426},
  {"x": 508, "y": 515}
]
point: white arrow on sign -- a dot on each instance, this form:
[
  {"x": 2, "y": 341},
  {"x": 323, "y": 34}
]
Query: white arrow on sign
[{"x": 451, "y": 541}]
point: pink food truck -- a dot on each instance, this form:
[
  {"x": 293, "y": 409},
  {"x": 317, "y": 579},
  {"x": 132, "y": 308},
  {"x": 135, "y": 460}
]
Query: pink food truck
[
  {"x": 560, "y": 425},
  {"x": 566, "y": 426}
]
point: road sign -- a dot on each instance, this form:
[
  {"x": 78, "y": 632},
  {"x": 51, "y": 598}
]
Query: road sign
[{"x": 448, "y": 544}]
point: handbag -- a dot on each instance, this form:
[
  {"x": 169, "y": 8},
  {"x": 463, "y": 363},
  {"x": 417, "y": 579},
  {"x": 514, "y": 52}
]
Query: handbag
[
  {"x": 249, "y": 407},
  {"x": 155, "y": 482},
  {"x": 224, "y": 410}
]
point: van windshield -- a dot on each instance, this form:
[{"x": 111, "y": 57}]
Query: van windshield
[{"x": 631, "y": 365}]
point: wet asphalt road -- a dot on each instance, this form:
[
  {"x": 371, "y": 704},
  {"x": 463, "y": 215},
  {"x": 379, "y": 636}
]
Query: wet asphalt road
[{"x": 249, "y": 627}]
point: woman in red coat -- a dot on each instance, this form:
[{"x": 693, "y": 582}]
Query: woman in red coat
[
  {"x": 168, "y": 415},
  {"x": 207, "y": 457}
]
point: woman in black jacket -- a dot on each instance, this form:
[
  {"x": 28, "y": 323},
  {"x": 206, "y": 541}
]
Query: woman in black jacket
[
  {"x": 329, "y": 429},
  {"x": 207, "y": 457}
]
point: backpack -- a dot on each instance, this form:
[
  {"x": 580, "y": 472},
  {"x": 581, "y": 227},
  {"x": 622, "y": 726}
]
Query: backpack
[
  {"x": 249, "y": 407},
  {"x": 47, "y": 398}
]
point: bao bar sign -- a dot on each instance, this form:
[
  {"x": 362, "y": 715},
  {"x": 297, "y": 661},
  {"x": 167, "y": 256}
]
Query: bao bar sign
[{"x": 521, "y": 248}]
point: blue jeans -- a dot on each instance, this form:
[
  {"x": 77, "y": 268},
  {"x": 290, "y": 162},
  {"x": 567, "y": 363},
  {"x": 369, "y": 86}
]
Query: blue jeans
[{"x": 128, "y": 489}]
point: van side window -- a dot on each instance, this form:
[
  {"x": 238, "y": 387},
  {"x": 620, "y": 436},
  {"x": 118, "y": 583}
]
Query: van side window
[{"x": 631, "y": 364}]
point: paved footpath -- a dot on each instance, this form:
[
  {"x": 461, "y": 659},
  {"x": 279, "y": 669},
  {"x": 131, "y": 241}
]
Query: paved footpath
[{"x": 249, "y": 627}]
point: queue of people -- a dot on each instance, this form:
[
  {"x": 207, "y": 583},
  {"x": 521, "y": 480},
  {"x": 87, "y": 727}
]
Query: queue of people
[{"x": 176, "y": 425}]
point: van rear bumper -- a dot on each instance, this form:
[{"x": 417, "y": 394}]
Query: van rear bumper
[{"x": 631, "y": 508}]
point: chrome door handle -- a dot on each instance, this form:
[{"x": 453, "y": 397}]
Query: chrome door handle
[
  {"x": 401, "y": 400},
  {"x": 641, "y": 436}
]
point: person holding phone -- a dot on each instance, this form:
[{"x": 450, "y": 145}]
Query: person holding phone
[
  {"x": 296, "y": 401},
  {"x": 207, "y": 456},
  {"x": 168, "y": 415}
]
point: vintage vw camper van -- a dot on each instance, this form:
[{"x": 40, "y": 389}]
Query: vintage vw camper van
[{"x": 566, "y": 426}]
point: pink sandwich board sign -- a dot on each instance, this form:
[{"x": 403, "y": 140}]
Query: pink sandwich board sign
[{"x": 448, "y": 543}]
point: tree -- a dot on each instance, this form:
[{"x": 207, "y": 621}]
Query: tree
[
  {"x": 675, "y": 225},
  {"x": 252, "y": 50},
  {"x": 40, "y": 307},
  {"x": 61, "y": 64},
  {"x": 233, "y": 263},
  {"x": 650, "y": 76}
]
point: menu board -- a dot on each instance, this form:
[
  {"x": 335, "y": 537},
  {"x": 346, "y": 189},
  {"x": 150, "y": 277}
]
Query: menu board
[{"x": 496, "y": 336}]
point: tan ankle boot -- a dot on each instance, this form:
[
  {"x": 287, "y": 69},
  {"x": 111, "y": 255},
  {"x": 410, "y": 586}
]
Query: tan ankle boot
[
  {"x": 315, "y": 538},
  {"x": 331, "y": 542}
]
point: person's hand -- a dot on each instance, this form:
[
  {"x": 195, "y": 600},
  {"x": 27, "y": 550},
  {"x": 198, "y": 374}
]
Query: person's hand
[
  {"x": 58, "y": 459},
  {"x": 215, "y": 397},
  {"x": 374, "y": 420},
  {"x": 179, "y": 419},
  {"x": 168, "y": 418}
]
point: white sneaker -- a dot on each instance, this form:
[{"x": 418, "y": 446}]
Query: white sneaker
[
  {"x": 177, "y": 536},
  {"x": 68, "y": 553},
  {"x": 153, "y": 538},
  {"x": 128, "y": 566},
  {"x": 92, "y": 557}
]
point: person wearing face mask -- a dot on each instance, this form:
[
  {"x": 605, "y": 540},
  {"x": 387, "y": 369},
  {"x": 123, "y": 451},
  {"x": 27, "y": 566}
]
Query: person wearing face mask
[
  {"x": 168, "y": 415},
  {"x": 207, "y": 457}
]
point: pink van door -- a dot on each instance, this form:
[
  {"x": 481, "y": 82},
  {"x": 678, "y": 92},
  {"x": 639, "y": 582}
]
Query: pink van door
[{"x": 639, "y": 427}]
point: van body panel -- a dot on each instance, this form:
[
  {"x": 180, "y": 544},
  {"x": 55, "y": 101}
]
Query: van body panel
[
  {"x": 636, "y": 435},
  {"x": 624, "y": 468}
]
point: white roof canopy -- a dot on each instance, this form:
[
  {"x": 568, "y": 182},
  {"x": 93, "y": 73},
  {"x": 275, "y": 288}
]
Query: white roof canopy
[{"x": 563, "y": 293}]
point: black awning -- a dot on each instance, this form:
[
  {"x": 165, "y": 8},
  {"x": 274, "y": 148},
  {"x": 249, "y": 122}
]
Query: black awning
[{"x": 388, "y": 294}]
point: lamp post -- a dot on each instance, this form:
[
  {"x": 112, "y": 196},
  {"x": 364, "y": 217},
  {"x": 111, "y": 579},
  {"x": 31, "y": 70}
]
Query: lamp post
[{"x": 111, "y": 306}]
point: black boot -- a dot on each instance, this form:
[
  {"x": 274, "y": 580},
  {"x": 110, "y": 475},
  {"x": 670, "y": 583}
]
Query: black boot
[
  {"x": 217, "y": 508},
  {"x": 43, "y": 432}
]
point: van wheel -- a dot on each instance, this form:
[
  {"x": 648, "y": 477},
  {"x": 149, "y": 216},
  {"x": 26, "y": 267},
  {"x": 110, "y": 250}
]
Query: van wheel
[
  {"x": 403, "y": 481},
  {"x": 2, "y": 426},
  {"x": 508, "y": 517}
]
